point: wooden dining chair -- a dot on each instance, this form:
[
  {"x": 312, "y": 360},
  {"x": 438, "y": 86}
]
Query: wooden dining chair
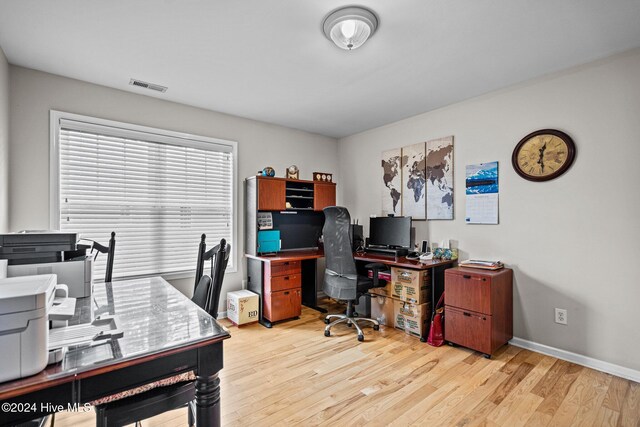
[
  {"x": 96, "y": 248},
  {"x": 174, "y": 392}
]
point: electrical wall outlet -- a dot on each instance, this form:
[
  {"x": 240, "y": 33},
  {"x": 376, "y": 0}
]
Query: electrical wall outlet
[{"x": 561, "y": 316}]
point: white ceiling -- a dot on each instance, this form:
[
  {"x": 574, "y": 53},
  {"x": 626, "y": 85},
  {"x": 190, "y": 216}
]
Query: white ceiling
[{"x": 269, "y": 60}]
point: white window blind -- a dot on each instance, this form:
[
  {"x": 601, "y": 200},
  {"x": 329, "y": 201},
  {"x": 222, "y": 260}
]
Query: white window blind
[{"x": 158, "y": 192}]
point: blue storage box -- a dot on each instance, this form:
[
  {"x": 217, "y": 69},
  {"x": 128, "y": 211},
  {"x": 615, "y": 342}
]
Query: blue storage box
[{"x": 268, "y": 241}]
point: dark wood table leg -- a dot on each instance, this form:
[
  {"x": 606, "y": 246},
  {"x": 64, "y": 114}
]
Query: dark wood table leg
[{"x": 208, "y": 386}]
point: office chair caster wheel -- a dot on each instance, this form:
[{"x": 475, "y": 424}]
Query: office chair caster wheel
[
  {"x": 360, "y": 338},
  {"x": 326, "y": 321},
  {"x": 376, "y": 327},
  {"x": 327, "y": 333},
  {"x": 349, "y": 324}
]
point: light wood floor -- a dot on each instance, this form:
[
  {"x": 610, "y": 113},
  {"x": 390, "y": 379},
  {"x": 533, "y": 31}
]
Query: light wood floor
[{"x": 292, "y": 374}]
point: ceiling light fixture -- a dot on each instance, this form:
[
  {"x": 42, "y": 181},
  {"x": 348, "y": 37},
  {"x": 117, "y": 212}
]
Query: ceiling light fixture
[{"x": 349, "y": 27}]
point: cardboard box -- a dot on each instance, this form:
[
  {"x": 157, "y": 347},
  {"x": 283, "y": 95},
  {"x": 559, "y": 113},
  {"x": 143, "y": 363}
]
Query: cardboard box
[
  {"x": 398, "y": 317},
  {"x": 242, "y": 307},
  {"x": 413, "y": 286},
  {"x": 382, "y": 309},
  {"x": 393, "y": 290},
  {"x": 413, "y": 319}
]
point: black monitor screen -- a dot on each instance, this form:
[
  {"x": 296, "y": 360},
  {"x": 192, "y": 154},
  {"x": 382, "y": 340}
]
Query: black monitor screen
[{"x": 390, "y": 231}]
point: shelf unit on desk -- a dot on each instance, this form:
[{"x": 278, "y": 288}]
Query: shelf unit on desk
[
  {"x": 300, "y": 225},
  {"x": 306, "y": 198}
]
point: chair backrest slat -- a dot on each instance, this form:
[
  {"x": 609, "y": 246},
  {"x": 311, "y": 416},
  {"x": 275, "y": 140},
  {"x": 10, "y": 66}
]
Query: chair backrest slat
[{"x": 219, "y": 256}]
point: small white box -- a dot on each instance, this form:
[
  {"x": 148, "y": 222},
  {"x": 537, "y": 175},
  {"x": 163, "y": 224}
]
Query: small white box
[{"x": 242, "y": 307}]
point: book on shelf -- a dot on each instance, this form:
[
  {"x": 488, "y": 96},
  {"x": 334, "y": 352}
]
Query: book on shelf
[{"x": 487, "y": 265}]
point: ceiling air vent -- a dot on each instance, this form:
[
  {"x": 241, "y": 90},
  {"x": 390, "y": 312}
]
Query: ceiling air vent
[{"x": 140, "y": 83}]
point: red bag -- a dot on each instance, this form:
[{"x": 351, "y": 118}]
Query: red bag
[{"x": 436, "y": 332}]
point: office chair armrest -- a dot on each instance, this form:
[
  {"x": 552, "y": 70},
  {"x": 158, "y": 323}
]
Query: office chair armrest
[{"x": 376, "y": 268}]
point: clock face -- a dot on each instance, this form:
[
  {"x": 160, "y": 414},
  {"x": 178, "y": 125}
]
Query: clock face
[{"x": 543, "y": 155}]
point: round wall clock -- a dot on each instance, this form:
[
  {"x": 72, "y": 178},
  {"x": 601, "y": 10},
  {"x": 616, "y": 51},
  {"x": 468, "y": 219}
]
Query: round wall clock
[{"x": 543, "y": 155}]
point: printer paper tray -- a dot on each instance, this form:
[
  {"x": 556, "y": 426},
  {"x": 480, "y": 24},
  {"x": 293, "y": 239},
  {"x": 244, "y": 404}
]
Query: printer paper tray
[{"x": 100, "y": 329}]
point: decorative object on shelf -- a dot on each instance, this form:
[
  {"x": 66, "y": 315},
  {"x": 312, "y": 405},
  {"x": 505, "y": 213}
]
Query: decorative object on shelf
[
  {"x": 349, "y": 27},
  {"x": 439, "y": 178},
  {"x": 482, "y": 193},
  {"x": 414, "y": 164},
  {"x": 445, "y": 253},
  {"x": 322, "y": 177},
  {"x": 293, "y": 172},
  {"x": 543, "y": 155},
  {"x": 288, "y": 205},
  {"x": 267, "y": 171}
]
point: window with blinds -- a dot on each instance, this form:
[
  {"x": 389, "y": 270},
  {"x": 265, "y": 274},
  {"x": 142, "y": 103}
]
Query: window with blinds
[{"x": 158, "y": 190}]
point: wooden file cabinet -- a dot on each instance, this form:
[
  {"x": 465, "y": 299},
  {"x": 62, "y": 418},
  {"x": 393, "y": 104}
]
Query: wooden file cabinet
[
  {"x": 282, "y": 290},
  {"x": 478, "y": 308}
]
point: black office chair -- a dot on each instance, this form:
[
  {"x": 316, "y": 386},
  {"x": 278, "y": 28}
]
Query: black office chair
[
  {"x": 341, "y": 279},
  {"x": 177, "y": 391}
]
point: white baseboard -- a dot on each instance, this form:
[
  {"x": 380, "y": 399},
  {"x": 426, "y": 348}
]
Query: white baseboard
[
  {"x": 222, "y": 315},
  {"x": 578, "y": 359}
]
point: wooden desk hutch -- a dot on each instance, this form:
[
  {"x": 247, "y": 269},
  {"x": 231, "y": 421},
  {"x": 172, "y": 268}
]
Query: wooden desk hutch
[{"x": 296, "y": 208}]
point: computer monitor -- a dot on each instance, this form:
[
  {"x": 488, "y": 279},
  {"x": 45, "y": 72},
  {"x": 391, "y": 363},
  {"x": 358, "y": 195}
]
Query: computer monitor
[{"x": 390, "y": 231}]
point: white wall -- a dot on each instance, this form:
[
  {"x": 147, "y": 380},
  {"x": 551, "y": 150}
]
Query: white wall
[
  {"x": 574, "y": 241},
  {"x": 34, "y": 93},
  {"x": 4, "y": 143}
]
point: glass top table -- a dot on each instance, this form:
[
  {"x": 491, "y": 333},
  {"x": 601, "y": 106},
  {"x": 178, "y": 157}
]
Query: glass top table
[{"x": 158, "y": 324}]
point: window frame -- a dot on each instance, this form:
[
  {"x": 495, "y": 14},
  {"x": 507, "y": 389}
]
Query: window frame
[{"x": 187, "y": 139}]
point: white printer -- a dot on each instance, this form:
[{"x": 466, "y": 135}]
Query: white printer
[
  {"x": 49, "y": 252},
  {"x": 76, "y": 274},
  {"x": 25, "y": 303}
]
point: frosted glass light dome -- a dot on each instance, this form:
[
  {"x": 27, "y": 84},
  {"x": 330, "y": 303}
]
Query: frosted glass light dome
[{"x": 350, "y": 27}]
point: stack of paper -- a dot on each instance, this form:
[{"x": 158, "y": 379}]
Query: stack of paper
[{"x": 487, "y": 265}]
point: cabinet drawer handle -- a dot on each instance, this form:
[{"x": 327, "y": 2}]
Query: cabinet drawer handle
[
  {"x": 466, "y": 314},
  {"x": 286, "y": 277},
  {"x": 286, "y": 293},
  {"x": 466, "y": 276},
  {"x": 286, "y": 263}
]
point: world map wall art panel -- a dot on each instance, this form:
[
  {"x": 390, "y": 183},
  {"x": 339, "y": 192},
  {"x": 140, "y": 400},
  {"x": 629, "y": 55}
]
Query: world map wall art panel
[
  {"x": 440, "y": 178},
  {"x": 392, "y": 183},
  {"x": 417, "y": 180},
  {"x": 414, "y": 167}
]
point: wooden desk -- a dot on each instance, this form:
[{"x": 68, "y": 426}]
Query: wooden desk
[
  {"x": 401, "y": 262},
  {"x": 297, "y": 255},
  {"x": 437, "y": 268},
  {"x": 164, "y": 334},
  {"x": 260, "y": 273}
]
